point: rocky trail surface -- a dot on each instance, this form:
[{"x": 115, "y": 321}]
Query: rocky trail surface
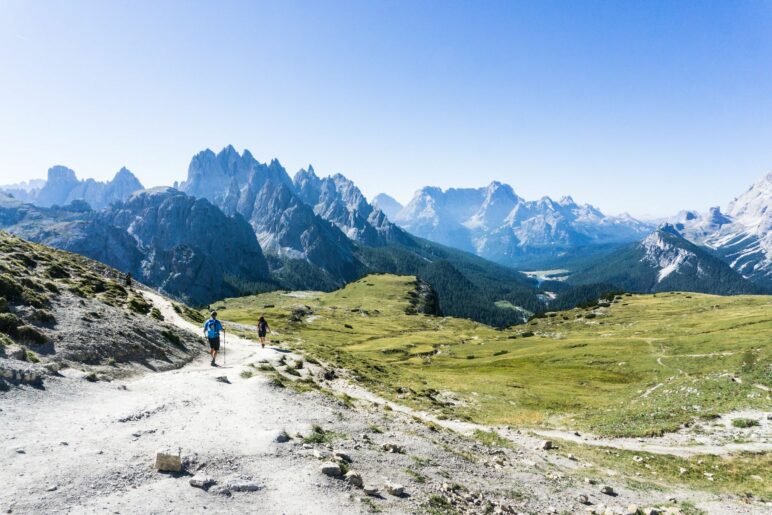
[{"x": 257, "y": 447}]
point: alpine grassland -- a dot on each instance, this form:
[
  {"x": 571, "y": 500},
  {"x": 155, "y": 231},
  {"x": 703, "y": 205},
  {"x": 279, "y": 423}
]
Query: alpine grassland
[{"x": 637, "y": 365}]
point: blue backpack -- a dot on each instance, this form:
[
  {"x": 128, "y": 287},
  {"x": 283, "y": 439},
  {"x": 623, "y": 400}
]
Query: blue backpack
[{"x": 211, "y": 329}]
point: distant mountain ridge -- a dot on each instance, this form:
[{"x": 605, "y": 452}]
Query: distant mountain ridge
[
  {"x": 742, "y": 236},
  {"x": 497, "y": 224},
  {"x": 63, "y": 187}
]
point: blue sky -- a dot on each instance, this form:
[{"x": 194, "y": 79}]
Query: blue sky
[{"x": 646, "y": 107}]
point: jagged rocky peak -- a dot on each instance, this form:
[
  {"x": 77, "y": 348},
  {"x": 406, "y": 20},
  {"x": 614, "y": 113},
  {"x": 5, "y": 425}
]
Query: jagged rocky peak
[{"x": 211, "y": 175}]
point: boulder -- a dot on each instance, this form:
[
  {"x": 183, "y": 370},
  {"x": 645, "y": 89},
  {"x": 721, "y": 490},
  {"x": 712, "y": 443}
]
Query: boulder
[
  {"x": 242, "y": 485},
  {"x": 583, "y": 499},
  {"x": 168, "y": 459},
  {"x": 201, "y": 481},
  {"x": 282, "y": 437},
  {"x": 546, "y": 445},
  {"x": 342, "y": 456},
  {"x": 331, "y": 469},
  {"x": 394, "y": 489},
  {"x": 607, "y": 490},
  {"x": 371, "y": 491}
]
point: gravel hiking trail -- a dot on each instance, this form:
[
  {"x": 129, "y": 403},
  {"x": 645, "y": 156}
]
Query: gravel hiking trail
[{"x": 84, "y": 447}]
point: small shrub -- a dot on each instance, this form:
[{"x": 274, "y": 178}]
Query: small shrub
[
  {"x": 110, "y": 362},
  {"x": 32, "y": 357},
  {"x": 56, "y": 271},
  {"x": 527, "y": 334},
  {"x": 266, "y": 367},
  {"x": 91, "y": 377},
  {"x": 29, "y": 334},
  {"x": 156, "y": 313},
  {"x": 277, "y": 382},
  {"x": 43, "y": 317},
  {"x": 745, "y": 422},
  {"x": 590, "y": 315},
  {"x": 246, "y": 374},
  {"x": 139, "y": 305},
  {"x": 53, "y": 288},
  {"x": 470, "y": 356},
  {"x": 9, "y": 288},
  {"x": 292, "y": 372},
  {"x": 319, "y": 435},
  {"x": 172, "y": 337},
  {"x": 33, "y": 299},
  {"x": 8, "y": 323},
  {"x": 299, "y": 364},
  {"x": 500, "y": 352}
]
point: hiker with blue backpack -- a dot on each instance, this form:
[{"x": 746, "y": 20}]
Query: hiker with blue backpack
[{"x": 212, "y": 330}]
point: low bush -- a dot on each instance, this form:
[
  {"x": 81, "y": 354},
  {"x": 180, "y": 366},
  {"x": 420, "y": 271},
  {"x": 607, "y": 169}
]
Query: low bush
[
  {"x": 29, "y": 334},
  {"x": 8, "y": 323},
  {"x": 745, "y": 422}
]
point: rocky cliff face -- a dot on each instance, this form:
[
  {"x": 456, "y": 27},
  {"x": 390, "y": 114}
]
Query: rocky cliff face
[
  {"x": 338, "y": 200},
  {"x": 286, "y": 226}
]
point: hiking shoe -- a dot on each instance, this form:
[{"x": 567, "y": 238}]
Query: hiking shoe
[{"x": 212, "y": 363}]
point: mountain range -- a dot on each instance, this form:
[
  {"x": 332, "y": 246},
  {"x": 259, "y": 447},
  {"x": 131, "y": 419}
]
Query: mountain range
[
  {"x": 236, "y": 225},
  {"x": 497, "y": 224},
  {"x": 63, "y": 187}
]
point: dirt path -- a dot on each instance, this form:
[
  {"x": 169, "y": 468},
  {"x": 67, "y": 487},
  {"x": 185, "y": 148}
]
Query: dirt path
[{"x": 87, "y": 448}]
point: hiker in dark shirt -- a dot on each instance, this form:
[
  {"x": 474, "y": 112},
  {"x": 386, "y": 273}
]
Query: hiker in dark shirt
[{"x": 262, "y": 330}]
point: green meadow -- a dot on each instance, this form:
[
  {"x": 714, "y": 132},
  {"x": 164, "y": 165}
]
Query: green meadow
[{"x": 639, "y": 365}]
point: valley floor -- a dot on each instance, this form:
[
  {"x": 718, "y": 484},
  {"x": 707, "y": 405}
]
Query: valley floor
[{"x": 82, "y": 447}]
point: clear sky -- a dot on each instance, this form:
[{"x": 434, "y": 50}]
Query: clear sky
[{"x": 643, "y": 106}]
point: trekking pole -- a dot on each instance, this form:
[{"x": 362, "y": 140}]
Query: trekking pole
[{"x": 224, "y": 361}]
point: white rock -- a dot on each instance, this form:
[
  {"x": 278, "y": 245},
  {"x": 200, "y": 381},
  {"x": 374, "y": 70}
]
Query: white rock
[
  {"x": 632, "y": 510},
  {"x": 583, "y": 499},
  {"x": 167, "y": 459},
  {"x": 394, "y": 489},
  {"x": 331, "y": 469},
  {"x": 242, "y": 485},
  {"x": 201, "y": 481},
  {"x": 371, "y": 491}
]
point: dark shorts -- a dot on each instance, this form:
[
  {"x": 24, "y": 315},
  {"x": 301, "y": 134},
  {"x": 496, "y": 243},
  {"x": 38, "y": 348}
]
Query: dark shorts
[
  {"x": 261, "y": 334},
  {"x": 214, "y": 343}
]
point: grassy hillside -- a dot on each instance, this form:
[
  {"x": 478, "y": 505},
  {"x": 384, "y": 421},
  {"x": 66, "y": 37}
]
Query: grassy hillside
[
  {"x": 640, "y": 365},
  {"x": 61, "y": 309}
]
